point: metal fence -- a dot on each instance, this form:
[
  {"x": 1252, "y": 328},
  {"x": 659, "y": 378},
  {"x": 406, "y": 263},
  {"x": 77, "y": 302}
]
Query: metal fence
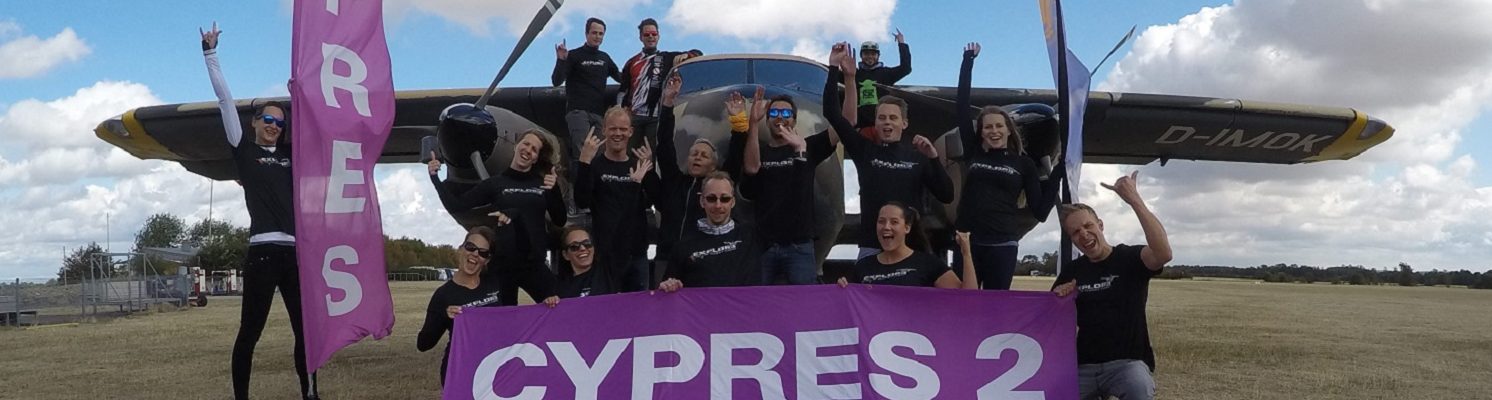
[{"x": 31, "y": 304}]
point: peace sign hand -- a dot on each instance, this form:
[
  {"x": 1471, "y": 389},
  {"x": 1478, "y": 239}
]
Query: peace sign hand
[{"x": 971, "y": 50}]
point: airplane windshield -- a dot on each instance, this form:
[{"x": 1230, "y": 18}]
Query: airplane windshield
[
  {"x": 794, "y": 75},
  {"x": 799, "y": 76},
  {"x": 712, "y": 74}
]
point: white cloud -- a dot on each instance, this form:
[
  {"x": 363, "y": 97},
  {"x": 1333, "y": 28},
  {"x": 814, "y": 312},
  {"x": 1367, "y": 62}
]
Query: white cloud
[
  {"x": 784, "y": 19},
  {"x": 478, "y": 16},
  {"x": 30, "y": 56},
  {"x": 411, "y": 208},
  {"x": 69, "y": 121},
  {"x": 1423, "y": 70}
]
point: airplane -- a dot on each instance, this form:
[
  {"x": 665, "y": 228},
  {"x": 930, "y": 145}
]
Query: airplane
[{"x": 1119, "y": 128}]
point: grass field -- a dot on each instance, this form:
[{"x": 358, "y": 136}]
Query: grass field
[{"x": 1213, "y": 339}]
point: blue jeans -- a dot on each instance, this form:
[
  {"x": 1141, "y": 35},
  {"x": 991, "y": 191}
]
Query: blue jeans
[
  {"x": 994, "y": 265},
  {"x": 796, "y": 260},
  {"x": 1125, "y": 379}
]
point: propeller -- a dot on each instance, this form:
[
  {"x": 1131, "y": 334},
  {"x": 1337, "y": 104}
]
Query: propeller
[{"x": 468, "y": 126}]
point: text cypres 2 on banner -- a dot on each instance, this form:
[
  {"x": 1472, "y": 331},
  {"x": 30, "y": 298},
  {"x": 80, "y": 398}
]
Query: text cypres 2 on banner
[
  {"x": 861, "y": 342},
  {"x": 342, "y": 97}
]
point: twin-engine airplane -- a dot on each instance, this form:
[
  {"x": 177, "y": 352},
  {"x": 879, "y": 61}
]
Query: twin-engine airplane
[{"x": 1119, "y": 128}]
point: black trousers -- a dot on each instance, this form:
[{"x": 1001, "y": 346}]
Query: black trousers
[{"x": 266, "y": 268}]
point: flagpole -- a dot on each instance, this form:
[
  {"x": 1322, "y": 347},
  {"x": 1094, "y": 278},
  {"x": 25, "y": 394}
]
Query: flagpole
[{"x": 1064, "y": 100}]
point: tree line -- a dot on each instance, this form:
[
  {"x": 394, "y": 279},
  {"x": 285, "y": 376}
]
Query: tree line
[{"x": 221, "y": 246}]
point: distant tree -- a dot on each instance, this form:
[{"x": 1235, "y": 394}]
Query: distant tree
[
  {"x": 205, "y": 230},
  {"x": 160, "y": 230},
  {"x": 1406, "y": 275},
  {"x": 75, "y": 266},
  {"x": 1484, "y": 282},
  {"x": 223, "y": 249}
]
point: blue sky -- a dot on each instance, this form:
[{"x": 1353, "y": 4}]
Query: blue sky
[{"x": 154, "y": 47}]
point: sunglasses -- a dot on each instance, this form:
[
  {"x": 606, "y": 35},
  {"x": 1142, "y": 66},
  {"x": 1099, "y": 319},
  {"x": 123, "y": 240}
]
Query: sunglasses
[
  {"x": 472, "y": 247},
  {"x": 579, "y": 245},
  {"x": 780, "y": 113},
  {"x": 718, "y": 199},
  {"x": 270, "y": 119}
]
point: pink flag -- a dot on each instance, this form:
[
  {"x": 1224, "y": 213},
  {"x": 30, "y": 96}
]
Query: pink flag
[{"x": 342, "y": 96}]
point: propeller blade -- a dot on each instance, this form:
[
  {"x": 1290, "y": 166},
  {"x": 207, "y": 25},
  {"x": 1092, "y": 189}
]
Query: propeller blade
[{"x": 540, "y": 20}]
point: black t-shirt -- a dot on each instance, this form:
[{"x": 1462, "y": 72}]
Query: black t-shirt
[
  {"x": 618, "y": 205},
  {"x": 583, "y": 285},
  {"x": 782, "y": 189},
  {"x": 714, "y": 260},
  {"x": 1111, "y": 306},
  {"x": 994, "y": 181},
  {"x": 583, "y": 72},
  {"x": 267, "y": 183},
  {"x": 892, "y": 172},
  {"x": 520, "y": 196},
  {"x": 437, "y": 323},
  {"x": 918, "y": 269}
]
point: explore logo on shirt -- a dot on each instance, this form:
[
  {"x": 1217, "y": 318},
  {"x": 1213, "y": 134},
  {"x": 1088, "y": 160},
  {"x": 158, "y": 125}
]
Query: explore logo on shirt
[
  {"x": 1104, "y": 284},
  {"x": 893, "y": 165},
  {"x": 900, "y": 272},
  {"x": 608, "y": 178},
  {"x": 994, "y": 168},
  {"x": 283, "y": 162},
  {"x": 533, "y": 191},
  {"x": 725, "y": 248},
  {"x": 490, "y": 299}
]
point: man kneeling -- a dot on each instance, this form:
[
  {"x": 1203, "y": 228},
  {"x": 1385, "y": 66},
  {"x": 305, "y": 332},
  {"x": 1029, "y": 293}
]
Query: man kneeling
[{"x": 1112, "y": 283}]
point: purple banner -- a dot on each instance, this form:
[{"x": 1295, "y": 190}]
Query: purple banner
[
  {"x": 342, "y": 92},
  {"x": 782, "y": 342}
]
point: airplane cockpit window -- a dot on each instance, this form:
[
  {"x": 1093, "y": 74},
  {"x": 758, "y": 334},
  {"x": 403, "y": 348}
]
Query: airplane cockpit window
[
  {"x": 712, "y": 74},
  {"x": 796, "y": 75},
  {"x": 800, "y": 76}
]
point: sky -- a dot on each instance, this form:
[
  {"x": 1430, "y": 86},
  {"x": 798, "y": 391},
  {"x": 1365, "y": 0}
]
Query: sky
[{"x": 1421, "y": 198}]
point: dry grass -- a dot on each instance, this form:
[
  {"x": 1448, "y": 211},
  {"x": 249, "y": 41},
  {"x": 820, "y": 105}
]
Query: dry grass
[{"x": 1214, "y": 340}]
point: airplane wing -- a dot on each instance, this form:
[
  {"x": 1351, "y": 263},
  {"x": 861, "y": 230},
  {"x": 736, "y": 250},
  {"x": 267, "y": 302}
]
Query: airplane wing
[
  {"x": 192, "y": 133},
  {"x": 1120, "y": 128},
  {"x": 1132, "y": 128}
]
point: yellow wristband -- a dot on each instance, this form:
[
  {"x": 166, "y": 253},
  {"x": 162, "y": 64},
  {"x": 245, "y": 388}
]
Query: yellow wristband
[{"x": 739, "y": 122}]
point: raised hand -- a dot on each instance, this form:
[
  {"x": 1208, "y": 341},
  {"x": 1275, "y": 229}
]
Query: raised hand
[
  {"x": 502, "y": 219},
  {"x": 963, "y": 240},
  {"x": 551, "y": 178},
  {"x": 560, "y": 51},
  {"x": 837, "y": 53},
  {"x": 210, "y": 38},
  {"x": 924, "y": 146},
  {"x": 590, "y": 146},
  {"x": 1125, "y": 188},
  {"x": 644, "y": 163},
  {"x": 971, "y": 50},
  {"x": 758, "y": 104},
  {"x": 735, "y": 104},
  {"x": 847, "y": 63},
  {"x": 434, "y": 164},
  {"x": 671, "y": 89},
  {"x": 899, "y": 37}
]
